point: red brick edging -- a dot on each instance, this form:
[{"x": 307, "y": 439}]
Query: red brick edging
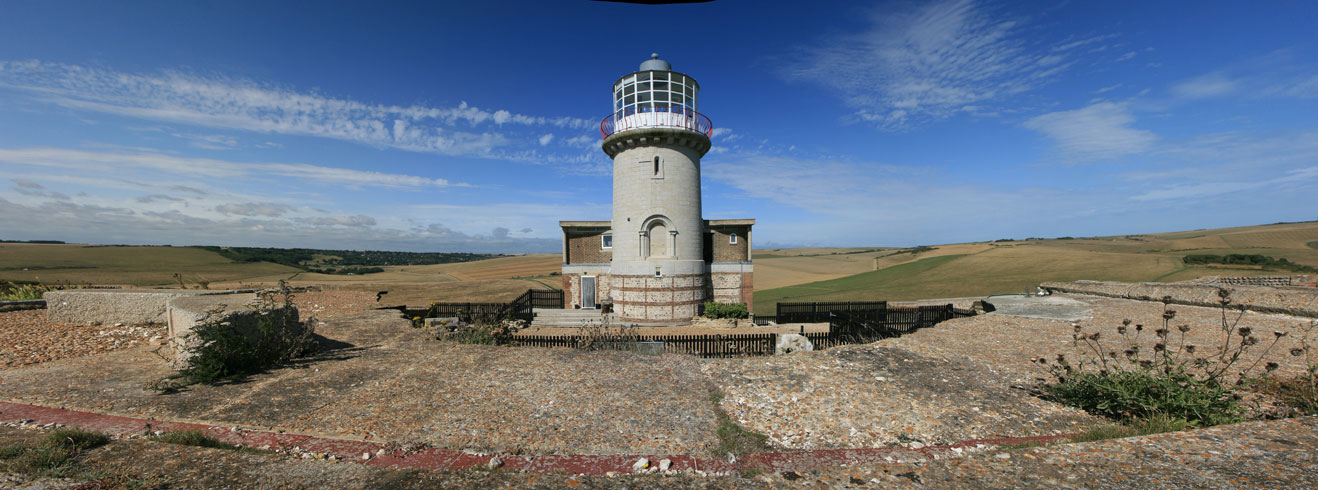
[{"x": 452, "y": 459}]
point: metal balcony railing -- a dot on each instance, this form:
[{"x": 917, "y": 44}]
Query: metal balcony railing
[{"x": 659, "y": 117}]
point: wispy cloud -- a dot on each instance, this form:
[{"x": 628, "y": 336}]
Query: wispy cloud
[
  {"x": 208, "y": 167},
  {"x": 230, "y": 103},
  {"x": 926, "y": 63},
  {"x": 1099, "y": 131},
  {"x": 1210, "y": 85},
  {"x": 1280, "y": 73}
]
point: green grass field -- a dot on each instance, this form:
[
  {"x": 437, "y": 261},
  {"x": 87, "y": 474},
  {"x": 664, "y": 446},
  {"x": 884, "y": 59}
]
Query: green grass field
[
  {"x": 832, "y": 274},
  {"x": 127, "y": 265},
  {"x": 1016, "y": 266}
]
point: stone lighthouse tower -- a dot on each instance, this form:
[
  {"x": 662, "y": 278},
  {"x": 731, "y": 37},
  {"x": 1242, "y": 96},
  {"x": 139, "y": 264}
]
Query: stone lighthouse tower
[{"x": 665, "y": 259}]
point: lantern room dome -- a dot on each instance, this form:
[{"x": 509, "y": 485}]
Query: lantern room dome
[{"x": 654, "y": 63}]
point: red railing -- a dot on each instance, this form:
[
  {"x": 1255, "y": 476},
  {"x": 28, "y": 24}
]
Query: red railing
[{"x": 675, "y": 118}]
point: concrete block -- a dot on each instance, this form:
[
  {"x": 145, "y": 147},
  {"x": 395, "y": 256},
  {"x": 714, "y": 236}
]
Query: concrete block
[
  {"x": 127, "y": 306},
  {"x": 239, "y": 311}
]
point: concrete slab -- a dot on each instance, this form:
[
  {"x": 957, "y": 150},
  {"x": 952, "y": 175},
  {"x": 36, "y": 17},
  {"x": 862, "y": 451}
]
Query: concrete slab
[
  {"x": 1044, "y": 307},
  {"x": 127, "y": 306}
]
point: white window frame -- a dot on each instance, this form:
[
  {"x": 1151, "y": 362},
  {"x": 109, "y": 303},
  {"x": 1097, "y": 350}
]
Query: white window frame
[
  {"x": 732, "y": 239},
  {"x": 606, "y": 244}
]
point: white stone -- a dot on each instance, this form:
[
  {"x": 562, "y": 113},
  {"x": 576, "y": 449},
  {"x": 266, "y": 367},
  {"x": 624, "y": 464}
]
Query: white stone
[
  {"x": 640, "y": 465},
  {"x": 793, "y": 343},
  {"x": 494, "y": 462},
  {"x": 665, "y": 464}
]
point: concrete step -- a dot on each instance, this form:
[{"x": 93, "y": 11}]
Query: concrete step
[{"x": 569, "y": 318}]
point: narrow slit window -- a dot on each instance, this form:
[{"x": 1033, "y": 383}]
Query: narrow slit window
[
  {"x": 656, "y": 166},
  {"x": 732, "y": 239}
]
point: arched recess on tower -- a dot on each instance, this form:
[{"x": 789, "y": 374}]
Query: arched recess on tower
[{"x": 658, "y": 237}]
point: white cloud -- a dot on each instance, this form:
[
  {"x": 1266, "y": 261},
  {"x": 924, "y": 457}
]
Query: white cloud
[
  {"x": 544, "y": 140},
  {"x": 1099, "y": 131},
  {"x": 928, "y": 62},
  {"x": 267, "y": 209},
  {"x": 207, "y": 167},
  {"x": 1210, "y": 85},
  {"x": 239, "y": 104}
]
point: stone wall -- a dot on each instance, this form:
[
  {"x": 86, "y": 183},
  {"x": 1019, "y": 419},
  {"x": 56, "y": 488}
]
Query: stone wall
[
  {"x": 128, "y": 306},
  {"x": 733, "y": 287},
  {"x": 1290, "y": 300},
  {"x": 669, "y": 298}
]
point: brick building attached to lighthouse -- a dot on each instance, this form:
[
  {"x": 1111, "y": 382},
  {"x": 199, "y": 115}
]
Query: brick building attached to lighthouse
[{"x": 658, "y": 260}]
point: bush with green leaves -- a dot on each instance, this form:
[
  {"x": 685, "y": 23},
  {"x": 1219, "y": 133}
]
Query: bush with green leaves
[
  {"x": 486, "y": 327},
  {"x": 725, "y": 310},
  {"x": 221, "y": 352},
  {"x": 1115, "y": 378}
]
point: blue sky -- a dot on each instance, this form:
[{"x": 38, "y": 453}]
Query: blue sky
[{"x": 474, "y": 127}]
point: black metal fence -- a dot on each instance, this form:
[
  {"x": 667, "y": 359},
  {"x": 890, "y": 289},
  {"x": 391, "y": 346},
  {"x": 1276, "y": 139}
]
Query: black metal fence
[
  {"x": 822, "y": 312},
  {"x": 521, "y": 308},
  {"x": 543, "y": 298}
]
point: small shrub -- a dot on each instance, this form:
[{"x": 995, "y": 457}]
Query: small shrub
[
  {"x": 76, "y": 439},
  {"x": 11, "y": 451},
  {"x": 607, "y": 336},
  {"x": 1139, "y": 394},
  {"x": 487, "y": 328},
  {"x": 53, "y": 456},
  {"x": 725, "y": 310},
  {"x": 191, "y": 438},
  {"x": 19, "y": 292},
  {"x": 224, "y": 354}
]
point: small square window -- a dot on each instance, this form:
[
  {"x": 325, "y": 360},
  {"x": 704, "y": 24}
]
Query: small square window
[
  {"x": 658, "y": 272},
  {"x": 606, "y": 240},
  {"x": 732, "y": 239}
]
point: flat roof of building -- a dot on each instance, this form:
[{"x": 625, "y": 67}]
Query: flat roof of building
[{"x": 585, "y": 224}]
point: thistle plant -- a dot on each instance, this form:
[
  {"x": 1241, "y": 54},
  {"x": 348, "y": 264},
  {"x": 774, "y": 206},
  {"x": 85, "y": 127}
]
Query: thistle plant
[{"x": 1117, "y": 378}]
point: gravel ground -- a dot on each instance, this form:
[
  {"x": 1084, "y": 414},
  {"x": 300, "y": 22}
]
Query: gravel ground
[
  {"x": 876, "y": 395},
  {"x": 380, "y": 379},
  {"x": 1276, "y": 454},
  {"x": 26, "y": 338},
  {"x": 333, "y": 303}
]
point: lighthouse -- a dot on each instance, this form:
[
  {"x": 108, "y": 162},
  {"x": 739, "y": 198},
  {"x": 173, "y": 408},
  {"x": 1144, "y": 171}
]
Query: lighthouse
[{"x": 657, "y": 260}]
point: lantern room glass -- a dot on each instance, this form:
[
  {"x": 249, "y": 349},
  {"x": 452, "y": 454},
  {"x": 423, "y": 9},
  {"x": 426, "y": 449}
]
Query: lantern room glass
[{"x": 655, "y": 91}]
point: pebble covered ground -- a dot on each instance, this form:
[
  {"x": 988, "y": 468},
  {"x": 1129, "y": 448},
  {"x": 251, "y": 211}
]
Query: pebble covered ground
[
  {"x": 876, "y": 395},
  {"x": 26, "y": 338},
  {"x": 379, "y": 379}
]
